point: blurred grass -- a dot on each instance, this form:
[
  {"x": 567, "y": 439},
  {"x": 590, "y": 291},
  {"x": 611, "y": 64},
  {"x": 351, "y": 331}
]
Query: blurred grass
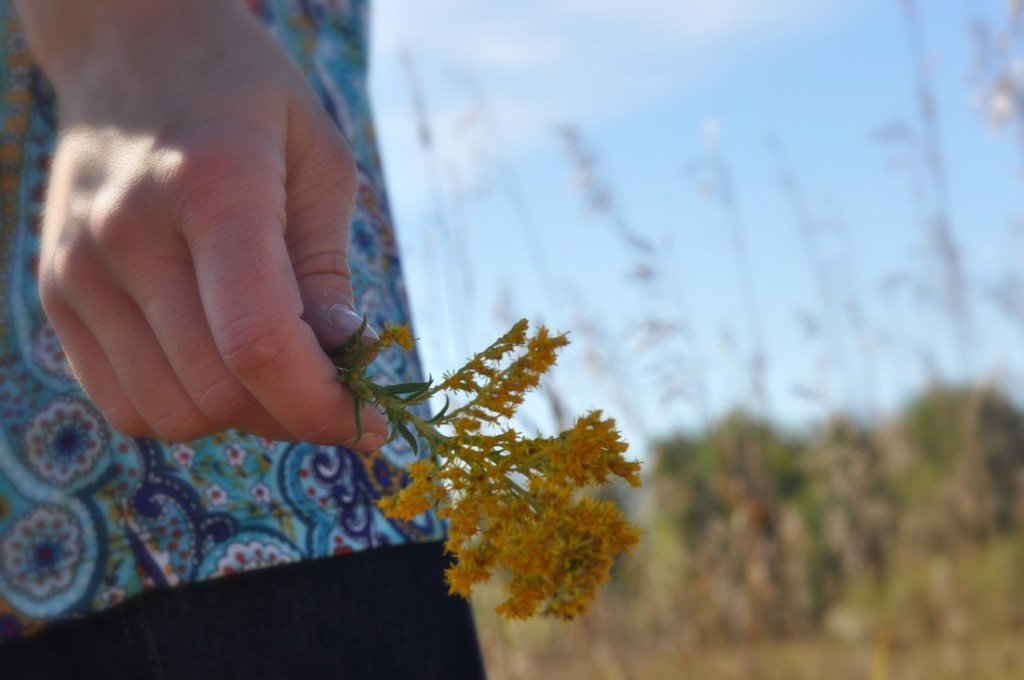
[
  {"x": 868, "y": 545},
  {"x": 887, "y": 632},
  {"x": 847, "y": 552}
]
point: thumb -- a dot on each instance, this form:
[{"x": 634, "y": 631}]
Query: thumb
[{"x": 321, "y": 195}]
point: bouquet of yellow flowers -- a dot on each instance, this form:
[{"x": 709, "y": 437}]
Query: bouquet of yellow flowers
[{"x": 514, "y": 504}]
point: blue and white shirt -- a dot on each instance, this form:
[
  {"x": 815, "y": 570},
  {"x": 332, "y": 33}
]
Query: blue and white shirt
[{"x": 89, "y": 517}]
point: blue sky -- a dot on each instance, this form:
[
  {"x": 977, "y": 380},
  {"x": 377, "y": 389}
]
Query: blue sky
[{"x": 655, "y": 86}]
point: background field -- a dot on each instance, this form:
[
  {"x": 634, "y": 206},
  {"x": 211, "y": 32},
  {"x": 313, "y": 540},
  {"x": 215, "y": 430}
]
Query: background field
[{"x": 786, "y": 238}]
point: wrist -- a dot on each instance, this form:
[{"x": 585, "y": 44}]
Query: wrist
[{"x": 74, "y": 41}]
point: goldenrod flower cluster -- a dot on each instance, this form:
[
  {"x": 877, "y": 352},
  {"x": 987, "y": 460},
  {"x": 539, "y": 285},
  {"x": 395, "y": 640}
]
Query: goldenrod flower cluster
[{"x": 514, "y": 504}]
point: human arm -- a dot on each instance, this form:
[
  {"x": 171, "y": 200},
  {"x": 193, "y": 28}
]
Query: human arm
[{"x": 195, "y": 231}]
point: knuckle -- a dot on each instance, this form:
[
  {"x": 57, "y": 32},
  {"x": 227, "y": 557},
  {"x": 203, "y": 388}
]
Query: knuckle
[
  {"x": 221, "y": 178},
  {"x": 195, "y": 166},
  {"x": 344, "y": 162},
  {"x": 72, "y": 266},
  {"x": 126, "y": 420},
  {"x": 50, "y": 295},
  {"x": 340, "y": 167},
  {"x": 251, "y": 344},
  {"x": 115, "y": 216},
  {"x": 181, "y": 424},
  {"x": 325, "y": 153},
  {"x": 331, "y": 262},
  {"x": 224, "y": 400}
]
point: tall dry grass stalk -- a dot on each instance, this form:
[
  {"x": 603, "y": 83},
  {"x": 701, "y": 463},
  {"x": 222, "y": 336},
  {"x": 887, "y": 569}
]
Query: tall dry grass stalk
[
  {"x": 828, "y": 314},
  {"x": 855, "y": 311},
  {"x": 937, "y": 220},
  {"x": 665, "y": 316},
  {"x": 896, "y": 538}
]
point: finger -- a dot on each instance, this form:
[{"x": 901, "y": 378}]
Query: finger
[
  {"x": 169, "y": 299},
  {"x": 254, "y": 309},
  {"x": 94, "y": 372},
  {"x": 321, "y": 196},
  {"x": 139, "y": 362}
]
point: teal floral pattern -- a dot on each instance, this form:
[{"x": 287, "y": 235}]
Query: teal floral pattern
[{"x": 89, "y": 517}]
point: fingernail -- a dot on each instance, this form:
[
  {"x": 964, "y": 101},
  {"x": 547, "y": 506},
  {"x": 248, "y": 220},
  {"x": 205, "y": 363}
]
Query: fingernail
[{"x": 347, "y": 321}]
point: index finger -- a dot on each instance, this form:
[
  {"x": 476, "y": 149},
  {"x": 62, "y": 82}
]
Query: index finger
[{"x": 252, "y": 303}]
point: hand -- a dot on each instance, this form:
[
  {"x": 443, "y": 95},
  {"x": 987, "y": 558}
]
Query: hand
[{"x": 194, "y": 246}]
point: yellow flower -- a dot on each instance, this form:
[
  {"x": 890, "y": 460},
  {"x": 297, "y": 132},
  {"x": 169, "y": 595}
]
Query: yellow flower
[
  {"x": 514, "y": 504},
  {"x": 415, "y": 498},
  {"x": 394, "y": 334}
]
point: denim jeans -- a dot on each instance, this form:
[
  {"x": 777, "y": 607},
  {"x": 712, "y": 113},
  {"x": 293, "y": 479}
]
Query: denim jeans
[{"x": 382, "y": 613}]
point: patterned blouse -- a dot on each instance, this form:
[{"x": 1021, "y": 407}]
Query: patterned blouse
[{"x": 88, "y": 516}]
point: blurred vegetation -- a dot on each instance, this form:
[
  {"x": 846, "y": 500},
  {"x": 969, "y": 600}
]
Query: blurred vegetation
[
  {"x": 856, "y": 550},
  {"x": 865, "y": 546}
]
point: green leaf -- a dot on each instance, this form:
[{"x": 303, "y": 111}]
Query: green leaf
[
  {"x": 415, "y": 398},
  {"x": 406, "y": 388},
  {"x": 401, "y": 428},
  {"x": 444, "y": 409}
]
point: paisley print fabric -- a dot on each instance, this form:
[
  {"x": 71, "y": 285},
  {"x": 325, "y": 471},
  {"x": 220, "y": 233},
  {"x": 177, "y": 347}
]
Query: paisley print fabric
[{"x": 89, "y": 517}]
